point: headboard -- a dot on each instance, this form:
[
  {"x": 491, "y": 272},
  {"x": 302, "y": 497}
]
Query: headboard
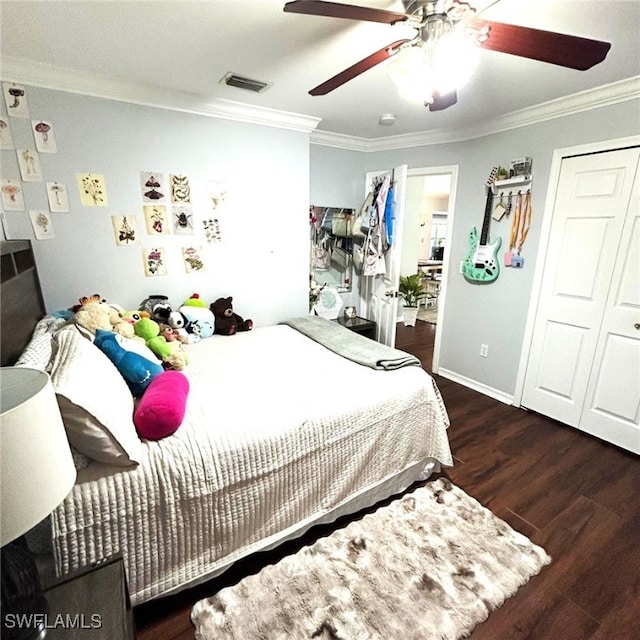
[{"x": 21, "y": 302}]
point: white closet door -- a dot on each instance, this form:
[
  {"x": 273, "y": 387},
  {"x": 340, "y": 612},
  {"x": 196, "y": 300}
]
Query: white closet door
[
  {"x": 589, "y": 215},
  {"x": 612, "y": 405}
]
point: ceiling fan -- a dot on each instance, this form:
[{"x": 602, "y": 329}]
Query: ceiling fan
[{"x": 435, "y": 21}]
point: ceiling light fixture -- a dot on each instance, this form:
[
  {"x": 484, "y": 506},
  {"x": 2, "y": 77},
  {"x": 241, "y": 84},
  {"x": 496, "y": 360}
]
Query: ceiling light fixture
[
  {"x": 440, "y": 61},
  {"x": 387, "y": 119}
]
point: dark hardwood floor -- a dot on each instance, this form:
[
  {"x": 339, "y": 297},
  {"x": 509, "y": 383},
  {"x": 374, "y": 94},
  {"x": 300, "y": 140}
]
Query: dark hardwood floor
[{"x": 576, "y": 496}]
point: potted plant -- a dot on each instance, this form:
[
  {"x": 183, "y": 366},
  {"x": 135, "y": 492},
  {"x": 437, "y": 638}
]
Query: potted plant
[{"x": 411, "y": 291}]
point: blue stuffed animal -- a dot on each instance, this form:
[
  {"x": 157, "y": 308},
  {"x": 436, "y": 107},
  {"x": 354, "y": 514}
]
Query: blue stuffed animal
[{"x": 137, "y": 371}]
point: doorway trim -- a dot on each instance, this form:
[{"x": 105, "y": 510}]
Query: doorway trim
[
  {"x": 452, "y": 170},
  {"x": 545, "y": 231}
]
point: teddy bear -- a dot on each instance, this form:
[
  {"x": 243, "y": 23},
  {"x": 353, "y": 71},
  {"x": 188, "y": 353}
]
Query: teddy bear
[
  {"x": 94, "y": 313},
  {"x": 227, "y": 323},
  {"x": 171, "y": 353},
  {"x": 199, "y": 318}
]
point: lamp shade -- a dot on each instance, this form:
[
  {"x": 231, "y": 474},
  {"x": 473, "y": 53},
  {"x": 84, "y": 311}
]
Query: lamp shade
[{"x": 36, "y": 466}]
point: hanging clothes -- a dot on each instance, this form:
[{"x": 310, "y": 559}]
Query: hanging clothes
[
  {"x": 389, "y": 216},
  {"x": 376, "y": 242}
]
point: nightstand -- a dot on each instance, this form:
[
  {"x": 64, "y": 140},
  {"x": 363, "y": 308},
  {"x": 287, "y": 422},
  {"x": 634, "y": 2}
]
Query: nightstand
[
  {"x": 91, "y": 604},
  {"x": 364, "y": 327}
]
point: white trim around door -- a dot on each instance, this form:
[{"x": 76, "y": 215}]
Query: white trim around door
[{"x": 442, "y": 297}]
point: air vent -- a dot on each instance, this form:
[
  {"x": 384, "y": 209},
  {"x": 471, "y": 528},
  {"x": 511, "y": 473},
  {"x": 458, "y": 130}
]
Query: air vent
[{"x": 240, "y": 82}]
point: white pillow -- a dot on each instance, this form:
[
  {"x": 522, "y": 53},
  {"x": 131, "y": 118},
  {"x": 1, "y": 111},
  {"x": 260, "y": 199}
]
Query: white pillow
[{"x": 94, "y": 400}]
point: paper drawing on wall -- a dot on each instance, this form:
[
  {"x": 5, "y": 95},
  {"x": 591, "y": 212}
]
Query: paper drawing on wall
[
  {"x": 44, "y": 136},
  {"x": 15, "y": 97},
  {"x": 58, "y": 197},
  {"x": 125, "y": 228},
  {"x": 11, "y": 191},
  {"x": 192, "y": 257},
  {"x": 212, "y": 230},
  {"x": 42, "y": 225},
  {"x": 217, "y": 194},
  {"x": 29, "y": 162},
  {"x": 155, "y": 217},
  {"x": 182, "y": 220},
  {"x": 152, "y": 186},
  {"x": 6, "y": 139},
  {"x": 154, "y": 262},
  {"x": 93, "y": 189},
  {"x": 180, "y": 189}
]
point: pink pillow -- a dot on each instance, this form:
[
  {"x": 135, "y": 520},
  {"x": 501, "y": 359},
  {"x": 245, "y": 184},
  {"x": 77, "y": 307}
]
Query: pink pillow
[{"x": 161, "y": 409}]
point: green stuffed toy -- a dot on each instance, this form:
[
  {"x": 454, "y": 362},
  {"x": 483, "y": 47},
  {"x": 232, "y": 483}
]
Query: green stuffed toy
[{"x": 171, "y": 353}]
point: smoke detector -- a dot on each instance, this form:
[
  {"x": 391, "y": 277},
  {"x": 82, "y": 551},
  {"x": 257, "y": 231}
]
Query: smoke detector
[{"x": 387, "y": 119}]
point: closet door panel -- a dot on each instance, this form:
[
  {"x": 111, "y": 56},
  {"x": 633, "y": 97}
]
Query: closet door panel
[
  {"x": 612, "y": 403},
  {"x": 588, "y": 218}
]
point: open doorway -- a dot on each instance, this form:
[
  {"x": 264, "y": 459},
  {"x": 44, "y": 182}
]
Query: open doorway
[{"x": 429, "y": 209}]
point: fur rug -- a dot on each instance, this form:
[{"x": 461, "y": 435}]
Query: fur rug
[{"x": 432, "y": 564}]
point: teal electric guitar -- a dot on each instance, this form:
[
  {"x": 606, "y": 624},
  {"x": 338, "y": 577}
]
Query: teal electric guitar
[{"x": 482, "y": 263}]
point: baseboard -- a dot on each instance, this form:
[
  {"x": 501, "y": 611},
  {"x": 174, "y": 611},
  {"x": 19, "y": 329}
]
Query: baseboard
[{"x": 496, "y": 394}]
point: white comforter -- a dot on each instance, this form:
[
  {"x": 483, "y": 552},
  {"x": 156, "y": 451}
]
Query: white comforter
[{"x": 278, "y": 431}]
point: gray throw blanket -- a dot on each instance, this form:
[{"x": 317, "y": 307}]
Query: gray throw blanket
[{"x": 351, "y": 345}]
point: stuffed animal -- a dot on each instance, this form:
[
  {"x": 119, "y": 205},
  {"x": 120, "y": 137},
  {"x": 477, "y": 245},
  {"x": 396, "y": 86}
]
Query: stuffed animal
[
  {"x": 94, "y": 314},
  {"x": 227, "y": 322},
  {"x": 155, "y": 305},
  {"x": 171, "y": 353},
  {"x": 200, "y": 320},
  {"x": 178, "y": 323},
  {"x": 137, "y": 371},
  {"x": 170, "y": 334},
  {"x": 133, "y": 316},
  {"x": 161, "y": 409}
]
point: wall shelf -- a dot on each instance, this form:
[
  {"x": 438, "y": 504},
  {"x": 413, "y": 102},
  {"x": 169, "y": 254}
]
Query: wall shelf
[{"x": 517, "y": 182}]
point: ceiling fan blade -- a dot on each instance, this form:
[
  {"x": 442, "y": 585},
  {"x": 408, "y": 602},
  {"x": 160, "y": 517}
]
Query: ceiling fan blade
[
  {"x": 443, "y": 101},
  {"x": 547, "y": 46},
  {"x": 359, "y": 67},
  {"x": 349, "y": 11}
]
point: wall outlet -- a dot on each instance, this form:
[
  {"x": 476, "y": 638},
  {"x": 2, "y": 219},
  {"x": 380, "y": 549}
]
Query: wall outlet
[{"x": 484, "y": 350}]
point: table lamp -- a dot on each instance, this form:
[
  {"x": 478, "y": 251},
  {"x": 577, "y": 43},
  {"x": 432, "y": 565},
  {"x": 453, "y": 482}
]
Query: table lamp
[{"x": 36, "y": 474}]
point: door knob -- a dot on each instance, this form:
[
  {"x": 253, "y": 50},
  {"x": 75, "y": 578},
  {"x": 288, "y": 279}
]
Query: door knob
[
  {"x": 636, "y": 325},
  {"x": 389, "y": 293}
]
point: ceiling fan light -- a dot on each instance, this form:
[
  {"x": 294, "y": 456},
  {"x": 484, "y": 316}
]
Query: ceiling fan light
[
  {"x": 455, "y": 59},
  {"x": 410, "y": 71},
  {"x": 440, "y": 65}
]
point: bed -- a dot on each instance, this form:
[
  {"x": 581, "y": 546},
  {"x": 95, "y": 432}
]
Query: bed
[{"x": 280, "y": 433}]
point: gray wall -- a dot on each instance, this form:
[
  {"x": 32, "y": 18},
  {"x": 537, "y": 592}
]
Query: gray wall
[
  {"x": 262, "y": 259},
  {"x": 337, "y": 180},
  {"x": 493, "y": 314}
]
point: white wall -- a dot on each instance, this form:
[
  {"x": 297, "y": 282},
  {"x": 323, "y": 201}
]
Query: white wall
[
  {"x": 496, "y": 314},
  {"x": 262, "y": 259}
]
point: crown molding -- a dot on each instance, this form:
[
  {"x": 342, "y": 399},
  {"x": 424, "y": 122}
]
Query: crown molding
[
  {"x": 63, "y": 79},
  {"x": 602, "y": 96},
  {"x": 49, "y": 76}
]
